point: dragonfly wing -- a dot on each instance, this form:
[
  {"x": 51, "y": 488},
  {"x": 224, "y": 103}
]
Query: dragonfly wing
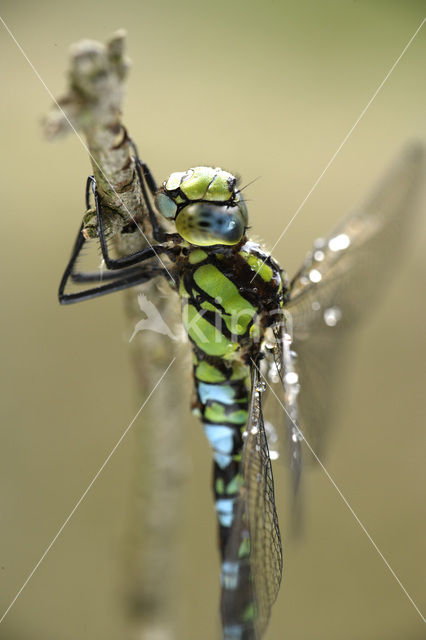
[
  {"x": 341, "y": 279},
  {"x": 286, "y": 369},
  {"x": 252, "y": 567}
]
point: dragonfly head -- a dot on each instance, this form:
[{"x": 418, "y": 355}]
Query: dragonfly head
[{"x": 206, "y": 206}]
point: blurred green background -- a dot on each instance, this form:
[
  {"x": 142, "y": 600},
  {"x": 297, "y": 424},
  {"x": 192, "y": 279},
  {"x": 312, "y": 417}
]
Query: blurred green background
[{"x": 262, "y": 89}]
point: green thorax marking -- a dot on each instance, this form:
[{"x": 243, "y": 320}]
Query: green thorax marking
[
  {"x": 206, "y": 336},
  {"x": 258, "y": 266},
  {"x": 196, "y": 256},
  {"x": 216, "y": 285},
  {"x": 220, "y": 313}
]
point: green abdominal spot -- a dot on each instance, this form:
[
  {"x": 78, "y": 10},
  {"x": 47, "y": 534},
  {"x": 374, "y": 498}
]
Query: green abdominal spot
[
  {"x": 208, "y": 373},
  {"x": 244, "y": 548},
  {"x": 249, "y": 613},
  {"x": 215, "y": 413},
  {"x": 220, "y": 486},
  {"x": 240, "y": 372},
  {"x": 235, "y": 484}
]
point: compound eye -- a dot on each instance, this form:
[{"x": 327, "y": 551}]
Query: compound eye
[
  {"x": 207, "y": 224},
  {"x": 165, "y": 205}
]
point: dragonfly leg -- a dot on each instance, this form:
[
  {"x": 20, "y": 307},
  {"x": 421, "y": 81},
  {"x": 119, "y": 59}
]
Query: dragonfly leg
[
  {"x": 110, "y": 287},
  {"x": 116, "y": 281},
  {"x": 146, "y": 171},
  {"x": 95, "y": 276},
  {"x": 124, "y": 261},
  {"x": 146, "y": 179},
  {"x": 118, "y": 277}
]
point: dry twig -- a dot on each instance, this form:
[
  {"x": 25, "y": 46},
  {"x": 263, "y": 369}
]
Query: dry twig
[{"x": 93, "y": 106}]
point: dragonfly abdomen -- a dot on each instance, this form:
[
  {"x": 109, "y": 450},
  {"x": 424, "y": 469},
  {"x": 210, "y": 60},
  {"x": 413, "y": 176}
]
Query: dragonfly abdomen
[
  {"x": 228, "y": 300},
  {"x": 223, "y": 393},
  {"x": 223, "y": 397}
]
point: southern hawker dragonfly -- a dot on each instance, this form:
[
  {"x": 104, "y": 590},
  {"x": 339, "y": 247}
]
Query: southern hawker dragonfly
[{"x": 249, "y": 324}]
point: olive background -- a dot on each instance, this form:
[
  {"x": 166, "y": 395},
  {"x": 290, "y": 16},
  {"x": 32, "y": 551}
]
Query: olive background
[{"x": 263, "y": 89}]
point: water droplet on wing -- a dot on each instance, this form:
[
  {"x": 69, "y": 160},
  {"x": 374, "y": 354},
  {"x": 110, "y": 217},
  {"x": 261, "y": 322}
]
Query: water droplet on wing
[
  {"x": 332, "y": 315},
  {"x": 339, "y": 243},
  {"x": 315, "y": 276},
  {"x": 291, "y": 377}
]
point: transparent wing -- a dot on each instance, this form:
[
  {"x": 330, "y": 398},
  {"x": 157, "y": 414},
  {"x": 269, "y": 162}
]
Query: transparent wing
[
  {"x": 339, "y": 282},
  {"x": 253, "y": 554},
  {"x": 284, "y": 358}
]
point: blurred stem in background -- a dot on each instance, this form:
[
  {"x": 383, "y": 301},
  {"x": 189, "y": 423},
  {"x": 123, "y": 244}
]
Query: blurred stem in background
[{"x": 93, "y": 106}]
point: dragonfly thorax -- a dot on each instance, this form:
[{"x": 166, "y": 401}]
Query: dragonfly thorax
[{"x": 206, "y": 206}]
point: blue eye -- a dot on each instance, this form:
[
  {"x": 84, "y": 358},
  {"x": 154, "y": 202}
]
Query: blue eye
[{"x": 207, "y": 224}]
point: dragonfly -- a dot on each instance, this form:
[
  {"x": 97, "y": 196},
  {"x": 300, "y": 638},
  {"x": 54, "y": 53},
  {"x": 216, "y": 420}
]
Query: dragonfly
[{"x": 249, "y": 324}]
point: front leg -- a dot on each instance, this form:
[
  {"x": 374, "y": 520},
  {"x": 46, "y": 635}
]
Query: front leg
[
  {"x": 117, "y": 277},
  {"x": 146, "y": 179},
  {"x": 124, "y": 261},
  {"x": 117, "y": 280}
]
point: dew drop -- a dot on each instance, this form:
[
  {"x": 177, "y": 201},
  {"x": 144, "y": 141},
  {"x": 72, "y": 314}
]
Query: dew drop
[
  {"x": 260, "y": 386},
  {"x": 273, "y": 374},
  {"x": 271, "y": 433},
  {"x": 315, "y": 276},
  {"x": 340, "y": 242},
  {"x": 332, "y": 315},
  {"x": 291, "y": 377},
  {"x": 297, "y": 436}
]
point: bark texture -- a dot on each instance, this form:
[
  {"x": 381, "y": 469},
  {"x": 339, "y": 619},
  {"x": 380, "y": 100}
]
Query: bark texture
[{"x": 92, "y": 108}]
